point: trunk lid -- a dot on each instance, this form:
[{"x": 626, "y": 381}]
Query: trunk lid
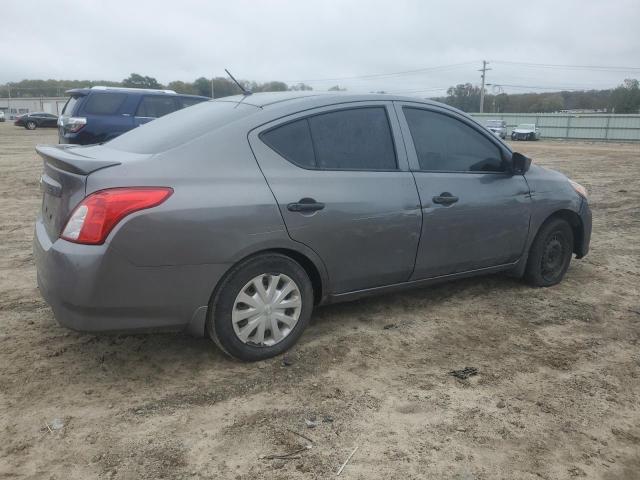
[{"x": 63, "y": 182}]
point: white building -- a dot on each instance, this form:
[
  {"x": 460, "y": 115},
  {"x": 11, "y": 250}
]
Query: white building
[{"x": 13, "y": 107}]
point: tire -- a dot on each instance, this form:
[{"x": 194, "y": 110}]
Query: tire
[
  {"x": 226, "y": 306},
  {"x": 550, "y": 254},
  {"x": 30, "y": 125}
]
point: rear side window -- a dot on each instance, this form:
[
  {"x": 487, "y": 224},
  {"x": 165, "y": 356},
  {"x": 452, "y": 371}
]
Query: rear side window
[
  {"x": 70, "y": 105},
  {"x": 352, "y": 139},
  {"x": 156, "y": 106},
  {"x": 104, "y": 103},
  {"x": 293, "y": 142},
  {"x": 446, "y": 144}
]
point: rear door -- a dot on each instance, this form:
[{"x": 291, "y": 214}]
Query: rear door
[
  {"x": 344, "y": 190},
  {"x": 155, "y": 106},
  {"x": 475, "y": 211}
]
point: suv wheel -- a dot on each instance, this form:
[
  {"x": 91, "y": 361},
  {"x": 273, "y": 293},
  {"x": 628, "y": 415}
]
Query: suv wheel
[
  {"x": 30, "y": 125},
  {"x": 550, "y": 254},
  {"x": 261, "y": 308}
]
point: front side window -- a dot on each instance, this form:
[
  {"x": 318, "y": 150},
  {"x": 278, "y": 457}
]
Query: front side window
[
  {"x": 104, "y": 103},
  {"x": 351, "y": 139},
  {"x": 156, "y": 106},
  {"x": 444, "y": 143}
]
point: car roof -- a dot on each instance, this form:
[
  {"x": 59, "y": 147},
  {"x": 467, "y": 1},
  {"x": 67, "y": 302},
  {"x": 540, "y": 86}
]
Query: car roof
[
  {"x": 296, "y": 98},
  {"x": 139, "y": 91}
]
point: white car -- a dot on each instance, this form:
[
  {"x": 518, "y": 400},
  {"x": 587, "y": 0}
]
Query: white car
[
  {"x": 525, "y": 131},
  {"x": 1, "y": 116},
  {"x": 498, "y": 127}
]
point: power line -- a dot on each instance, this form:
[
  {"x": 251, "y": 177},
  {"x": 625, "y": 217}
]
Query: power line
[
  {"x": 382, "y": 75},
  {"x": 565, "y": 87},
  {"x": 603, "y": 68}
]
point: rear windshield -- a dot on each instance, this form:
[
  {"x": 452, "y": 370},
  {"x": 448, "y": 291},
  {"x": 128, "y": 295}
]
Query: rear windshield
[
  {"x": 181, "y": 127},
  {"x": 70, "y": 105},
  {"x": 104, "y": 103}
]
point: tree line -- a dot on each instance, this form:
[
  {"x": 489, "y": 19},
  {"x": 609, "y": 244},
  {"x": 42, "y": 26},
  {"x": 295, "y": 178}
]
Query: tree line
[
  {"x": 207, "y": 87},
  {"x": 623, "y": 99}
]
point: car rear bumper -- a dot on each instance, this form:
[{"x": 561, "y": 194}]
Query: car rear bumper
[{"x": 92, "y": 288}]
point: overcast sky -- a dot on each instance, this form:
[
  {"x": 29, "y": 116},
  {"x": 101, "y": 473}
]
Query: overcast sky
[{"x": 322, "y": 42}]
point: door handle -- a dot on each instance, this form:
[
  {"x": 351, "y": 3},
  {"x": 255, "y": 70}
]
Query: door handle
[
  {"x": 305, "y": 205},
  {"x": 445, "y": 198}
]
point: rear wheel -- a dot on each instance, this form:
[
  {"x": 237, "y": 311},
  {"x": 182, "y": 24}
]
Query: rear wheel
[
  {"x": 30, "y": 125},
  {"x": 261, "y": 308},
  {"x": 550, "y": 254}
]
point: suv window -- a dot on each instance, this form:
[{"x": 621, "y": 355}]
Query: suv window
[
  {"x": 190, "y": 101},
  {"x": 104, "y": 103},
  {"x": 156, "y": 106},
  {"x": 351, "y": 139},
  {"x": 70, "y": 105},
  {"x": 444, "y": 143}
]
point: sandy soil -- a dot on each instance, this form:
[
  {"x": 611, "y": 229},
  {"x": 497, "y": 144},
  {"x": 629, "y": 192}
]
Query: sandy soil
[{"x": 557, "y": 394}]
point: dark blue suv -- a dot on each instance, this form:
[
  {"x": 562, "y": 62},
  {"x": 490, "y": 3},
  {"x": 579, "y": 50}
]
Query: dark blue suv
[{"x": 98, "y": 114}]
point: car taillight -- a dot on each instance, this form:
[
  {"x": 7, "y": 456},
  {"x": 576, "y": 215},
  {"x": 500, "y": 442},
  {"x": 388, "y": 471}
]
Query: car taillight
[
  {"x": 97, "y": 214},
  {"x": 74, "y": 124}
]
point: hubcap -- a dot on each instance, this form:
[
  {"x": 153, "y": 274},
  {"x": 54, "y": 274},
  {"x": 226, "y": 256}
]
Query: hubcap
[
  {"x": 553, "y": 257},
  {"x": 266, "y": 310}
]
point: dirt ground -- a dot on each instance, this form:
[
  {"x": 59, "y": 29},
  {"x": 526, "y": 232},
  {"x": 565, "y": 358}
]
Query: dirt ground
[{"x": 557, "y": 394}]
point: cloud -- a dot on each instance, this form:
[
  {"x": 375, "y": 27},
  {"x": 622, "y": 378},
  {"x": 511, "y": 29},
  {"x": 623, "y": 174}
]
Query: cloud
[{"x": 312, "y": 40}]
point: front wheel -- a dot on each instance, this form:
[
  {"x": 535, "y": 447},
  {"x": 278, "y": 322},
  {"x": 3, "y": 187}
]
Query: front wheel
[
  {"x": 550, "y": 254},
  {"x": 30, "y": 125},
  {"x": 261, "y": 308}
]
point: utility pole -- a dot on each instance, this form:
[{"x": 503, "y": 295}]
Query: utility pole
[{"x": 484, "y": 71}]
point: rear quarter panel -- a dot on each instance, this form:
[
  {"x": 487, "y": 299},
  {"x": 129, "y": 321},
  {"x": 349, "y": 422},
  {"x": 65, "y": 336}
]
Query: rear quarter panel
[{"x": 221, "y": 204}]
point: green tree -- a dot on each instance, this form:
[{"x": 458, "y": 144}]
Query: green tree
[
  {"x": 464, "y": 96},
  {"x": 626, "y": 97},
  {"x": 136, "y": 80},
  {"x": 182, "y": 87},
  {"x": 270, "y": 87},
  {"x": 300, "y": 87}
]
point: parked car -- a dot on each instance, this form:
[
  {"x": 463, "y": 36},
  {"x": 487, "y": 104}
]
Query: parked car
[
  {"x": 34, "y": 120},
  {"x": 1, "y": 116},
  {"x": 99, "y": 114},
  {"x": 233, "y": 219},
  {"x": 525, "y": 131},
  {"x": 499, "y": 127}
]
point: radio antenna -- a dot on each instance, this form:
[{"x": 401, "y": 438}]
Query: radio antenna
[{"x": 240, "y": 86}]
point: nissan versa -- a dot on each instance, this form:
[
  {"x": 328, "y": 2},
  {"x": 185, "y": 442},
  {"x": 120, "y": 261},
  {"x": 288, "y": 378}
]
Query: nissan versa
[{"x": 233, "y": 218}]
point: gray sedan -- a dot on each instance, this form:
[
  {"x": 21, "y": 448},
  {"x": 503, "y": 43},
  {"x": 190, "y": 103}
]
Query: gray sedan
[{"x": 235, "y": 217}]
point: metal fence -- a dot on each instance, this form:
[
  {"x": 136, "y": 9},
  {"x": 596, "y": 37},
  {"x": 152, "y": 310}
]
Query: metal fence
[{"x": 573, "y": 126}]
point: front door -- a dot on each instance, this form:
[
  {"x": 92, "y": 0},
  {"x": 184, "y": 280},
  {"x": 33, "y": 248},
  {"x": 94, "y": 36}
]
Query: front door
[
  {"x": 341, "y": 180},
  {"x": 475, "y": 211}
]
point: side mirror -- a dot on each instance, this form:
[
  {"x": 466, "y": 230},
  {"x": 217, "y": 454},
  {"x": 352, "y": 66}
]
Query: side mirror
[{"x": 519, "y": 163}]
